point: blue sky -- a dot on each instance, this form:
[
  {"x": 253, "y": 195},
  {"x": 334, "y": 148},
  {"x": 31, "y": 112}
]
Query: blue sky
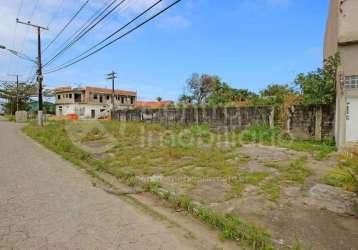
[{"x": 248, "y": 43}]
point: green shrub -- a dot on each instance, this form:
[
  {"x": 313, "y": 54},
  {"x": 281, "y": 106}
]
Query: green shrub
[{"x": 345, "y": 175}]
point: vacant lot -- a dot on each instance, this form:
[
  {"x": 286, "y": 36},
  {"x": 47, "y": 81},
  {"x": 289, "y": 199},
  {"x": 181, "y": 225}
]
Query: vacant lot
[{"x": 260, "y": 175}]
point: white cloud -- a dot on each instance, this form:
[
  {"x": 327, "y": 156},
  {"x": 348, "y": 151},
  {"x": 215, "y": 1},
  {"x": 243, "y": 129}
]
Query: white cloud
[
  {"x": 23, "y": 38},
  {"x": 173, "y": 22}
]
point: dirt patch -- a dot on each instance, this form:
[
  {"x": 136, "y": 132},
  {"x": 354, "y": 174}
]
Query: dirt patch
[
  {"x": 209, "y": 192},
  {"x": 263, "y": 153},
  {"x": 264, "y": 185}
]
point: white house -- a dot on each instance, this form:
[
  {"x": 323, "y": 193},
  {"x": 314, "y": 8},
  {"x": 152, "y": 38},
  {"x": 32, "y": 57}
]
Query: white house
[{"x": 91, "y": 102}]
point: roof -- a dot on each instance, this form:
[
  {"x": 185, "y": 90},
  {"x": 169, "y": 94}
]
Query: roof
[
  {"x": 63, "y": 89},
  {"x": 109, "y": 91},
  {"x": 96, "y": 90},
  {"x": 155, "y": 104}
]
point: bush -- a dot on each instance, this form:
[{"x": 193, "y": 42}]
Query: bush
[{"x": 345, "y": 175}]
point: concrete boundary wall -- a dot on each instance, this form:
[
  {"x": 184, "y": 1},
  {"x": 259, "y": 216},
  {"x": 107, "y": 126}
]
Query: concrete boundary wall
[
  {"x": 311, "y": 121},
  {"x": 303, "y": 121},
  {"x": 231, "y": 118}
]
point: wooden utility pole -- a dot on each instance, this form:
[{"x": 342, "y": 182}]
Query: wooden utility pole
[
  {"x": 112, "y": 76},
  {"x": 39, "y": 68}
]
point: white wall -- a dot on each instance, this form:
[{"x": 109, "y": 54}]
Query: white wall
[{"x": 72, "y": 108}]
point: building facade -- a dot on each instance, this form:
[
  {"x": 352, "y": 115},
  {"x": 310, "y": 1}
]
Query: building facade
[
  {"x": 342, "y": 36},
  {"x": 91, "y": 102}
]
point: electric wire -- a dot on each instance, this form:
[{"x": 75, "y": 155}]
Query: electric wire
[{"x": 83, "y": 56}]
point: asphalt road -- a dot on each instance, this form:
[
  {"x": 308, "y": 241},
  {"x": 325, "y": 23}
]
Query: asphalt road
[{"x": 46, "y": 203}]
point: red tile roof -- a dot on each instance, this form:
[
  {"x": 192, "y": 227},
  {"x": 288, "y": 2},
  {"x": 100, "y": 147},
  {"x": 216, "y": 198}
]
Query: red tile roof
[
  {"x": 63, "y": 89},
  {"x": 155, "y": 104}
]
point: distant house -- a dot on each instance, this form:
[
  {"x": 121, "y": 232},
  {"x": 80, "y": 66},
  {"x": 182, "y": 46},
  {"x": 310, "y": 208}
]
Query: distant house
[
  {"x": 91, "y": 102},
  {"x": 154, "y": 104},
  {"x": 342, "y": 37}
]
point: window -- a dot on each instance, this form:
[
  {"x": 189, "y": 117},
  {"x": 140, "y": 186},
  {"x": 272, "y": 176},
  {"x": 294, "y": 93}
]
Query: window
[
  {"x": 122, "y": 99},
  {"x": 132, "y": 99},
  {"x": 101, "y": 99},
  {"x": 107, "y": 97},
  {"x": 66, "y": 95},
  {"x": 95, "y": 97},
  {"x": 70, "y": 96},
  {"x": 58, "y": 97},
  {"x": 351, "y": 82},
  {"x": 77, "y": 97}
]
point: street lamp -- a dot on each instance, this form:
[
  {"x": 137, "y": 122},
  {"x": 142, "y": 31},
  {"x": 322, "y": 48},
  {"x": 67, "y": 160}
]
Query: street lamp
[{"x": 18, "y": 54}]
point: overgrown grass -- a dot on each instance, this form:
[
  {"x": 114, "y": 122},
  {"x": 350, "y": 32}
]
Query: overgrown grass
[
  {"x": 321, "y": 149},
  {"x": 273, "y": 136},
  {"x": 152, "y": 149},
  {"x": 10, "y": 118},
  {"x": 94, "y": 134},
  {"x": 230, "y": 227},
  {"x": 345, "y": 175},
  {"x": 293, "y": 173},
  {"x": 54, "y": 136}
]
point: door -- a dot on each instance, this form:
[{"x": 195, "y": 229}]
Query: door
[
  {"x": 352, "y": 120},
  {"x": 93, "y": 113}
]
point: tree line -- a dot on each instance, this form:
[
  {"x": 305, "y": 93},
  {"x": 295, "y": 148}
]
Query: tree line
[
  {"x": 19, "y": 96},
  {"x": 315, "y": 87}
]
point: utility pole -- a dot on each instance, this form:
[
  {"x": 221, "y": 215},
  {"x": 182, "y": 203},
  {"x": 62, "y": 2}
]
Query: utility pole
[
  {"x": 112, "y": 76},
  {"x": 39, "y": 68},
  {"x": 17, "y": 91}
]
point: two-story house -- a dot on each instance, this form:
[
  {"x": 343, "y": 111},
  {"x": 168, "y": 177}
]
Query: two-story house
[
  {"x": 91, "y": 102},
  {"x": 342, "y": 36}
]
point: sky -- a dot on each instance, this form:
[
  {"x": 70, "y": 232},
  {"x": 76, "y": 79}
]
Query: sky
[{"x": 247, "y": 43}]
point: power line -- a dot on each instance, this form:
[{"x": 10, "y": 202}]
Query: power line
[
  {"x": 20, "y": 8},
  {"x": 70, "y": 63},
  {"x": 14, "y": 36},
  {"x": 67, "y": 24},
  {"x": 34, "y": 9},
  {"x": 85, "y": 32},
  {"x": 79, "y": 31},
  {"x": 83, "y": 26},
  {"x": 27, "y": 29},
  {"x": 59, "y": 8}
]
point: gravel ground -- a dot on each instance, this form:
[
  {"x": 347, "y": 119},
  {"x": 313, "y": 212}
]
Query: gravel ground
[{"x": 46, "y": 203}]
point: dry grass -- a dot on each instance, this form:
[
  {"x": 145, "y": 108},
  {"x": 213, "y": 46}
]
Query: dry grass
[{"x": 345, "y": 174}]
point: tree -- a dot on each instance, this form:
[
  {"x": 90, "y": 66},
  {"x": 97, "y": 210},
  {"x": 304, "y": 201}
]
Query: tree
[
  {"x": 224, "y": 94},
  {"x": 274, "y": 94},
  {"x": 276, "y": 90},
  {"x": 185, "y": 99},
  {"x": 9, "y": 91},
  {"x": 319, "y": 86},
  {"x": 206, "y": 89},
  {"x": 159, "y": 99},
  {"x": 201, "y": 86}
]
